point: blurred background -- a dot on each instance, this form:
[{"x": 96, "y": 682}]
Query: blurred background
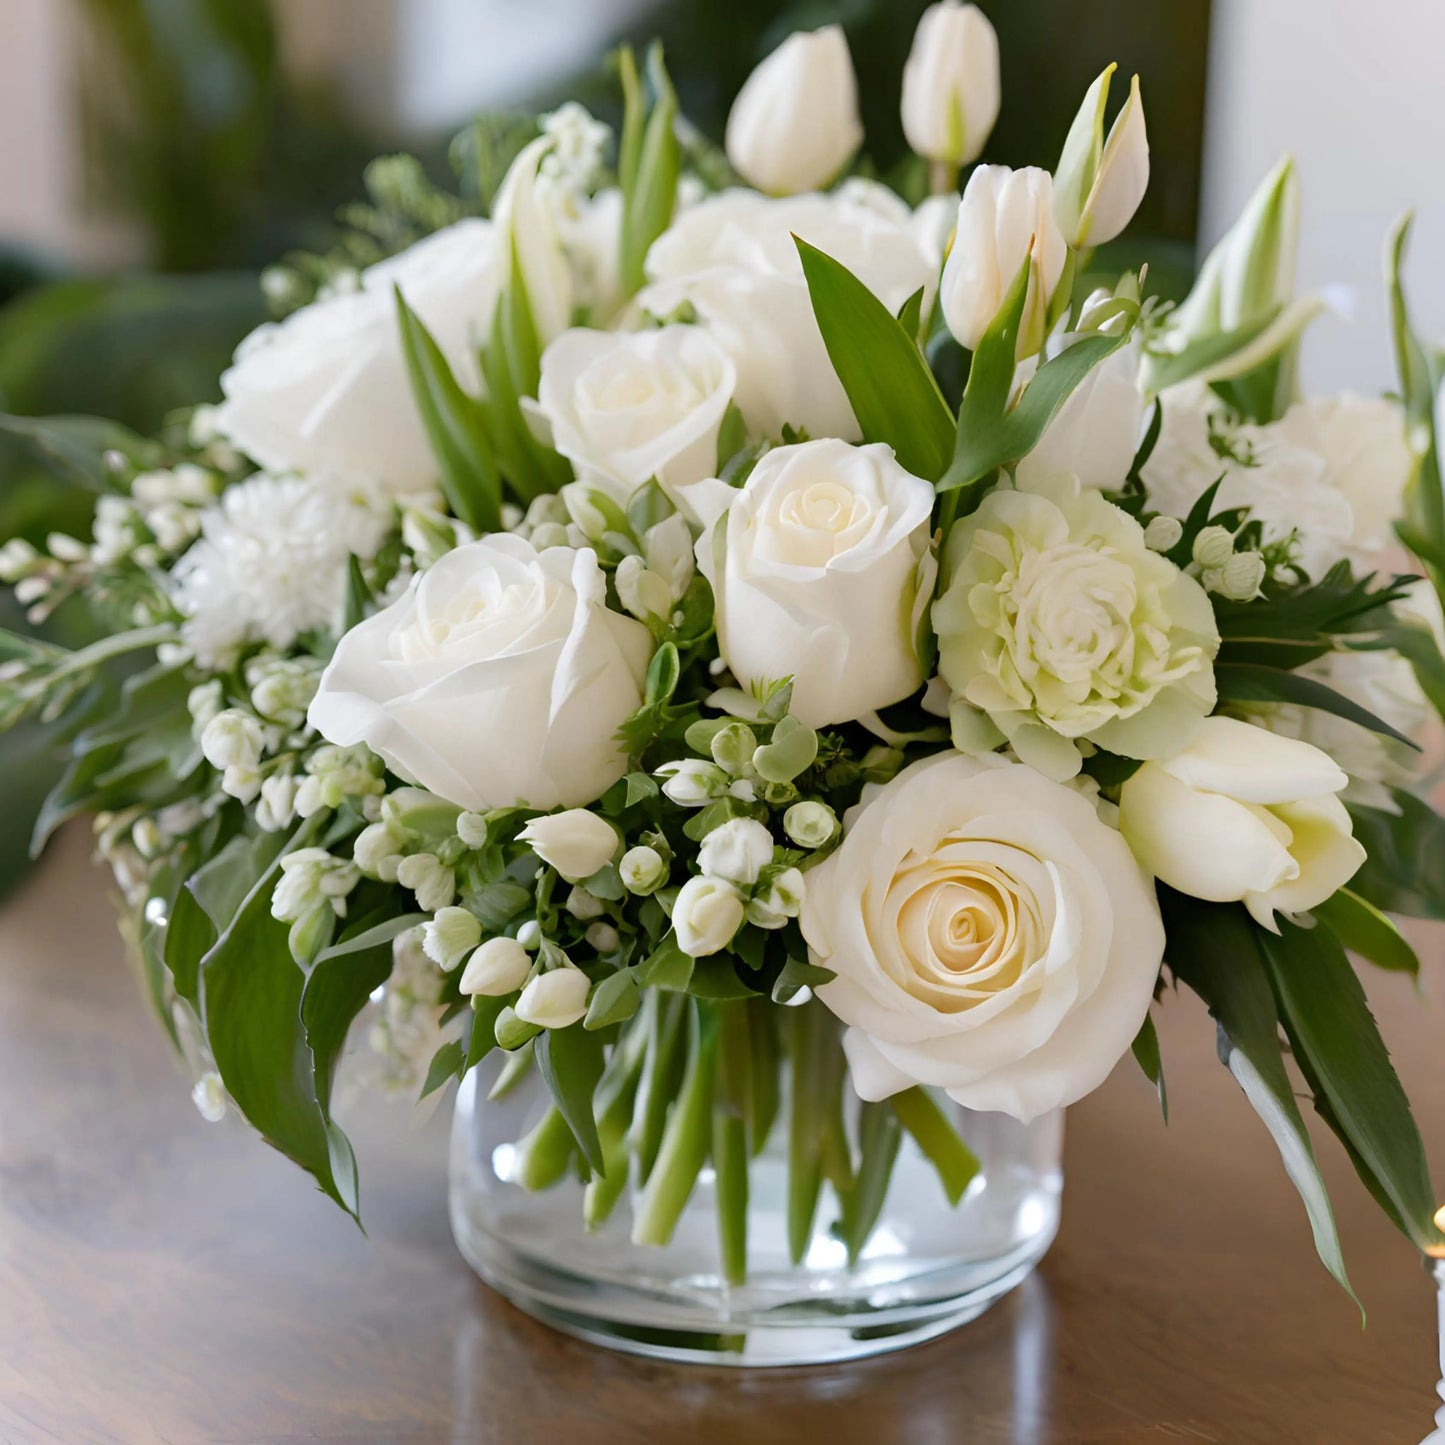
[{"x": 155, "y": 155}]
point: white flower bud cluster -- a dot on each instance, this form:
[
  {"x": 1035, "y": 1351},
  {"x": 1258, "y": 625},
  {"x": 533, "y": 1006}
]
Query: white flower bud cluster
[
  {"x": 651, "y": 585},
  {"x": 579, "y": 144},
  {"x": 334, "y": 774},
  {"x": 232, "y": 742},
  {"x": 312, "y": 879},
  {"x": 1236, "y": 576},
  {"x": 282, "y": 688}
]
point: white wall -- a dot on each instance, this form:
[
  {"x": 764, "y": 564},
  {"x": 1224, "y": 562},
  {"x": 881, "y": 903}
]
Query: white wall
[{"x": 1355, "y": 89}]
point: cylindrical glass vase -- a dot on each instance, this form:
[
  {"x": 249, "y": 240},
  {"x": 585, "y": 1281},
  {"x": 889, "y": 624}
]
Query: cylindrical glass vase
[{"x": 927, "y": 1265}]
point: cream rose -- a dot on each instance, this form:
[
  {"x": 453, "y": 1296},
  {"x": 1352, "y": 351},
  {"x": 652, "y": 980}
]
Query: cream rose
[
  {"x": 1058, "y": 623},
  {"x": 733, "y": 260},
  {"x": 624, "y": 407},
  {"x": 1243, "y": 814},
  {"x": 325, "y": 392},
  {"x": 991, "y": 936},
  {"x": 499, "y": 677},
  {"x": 821, "y": 571}
]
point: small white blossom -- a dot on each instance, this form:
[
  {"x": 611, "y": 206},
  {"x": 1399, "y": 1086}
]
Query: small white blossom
[
  {"x": 377, "y": 851},
  {"x": 1243, "y": 577},
  {"x": 691, "y": 783},
  {"x": 232, "y": 739},
  {"x": 472, "y": 829},
  {"x": 277, "y": 806},
  {"x": 311, "y": 877},
  {"x": 810, "y": 824},
  {"x": 498, "y": 968},
  {"x": 737, "y": 850},
  {"x": 434, "y": 885},
  {"x": 643, "y": 870},
  {"x": 281, "y": 689},
  {"x": 604, "y": 937},
  {"x": 584, "y": 906},
  {"x": 781, "y": 900},
  {"x": 1213, "y": 547},
  {"x": 576, "y": 842},
  {"x": 450, "y": 936},
  {"x": 209, "y": 1097},
  {"x": 705, "y": 915},
  {"x": 579, "y": 142},
  {"x": 1163, "y": 533},
  {"x": 17, "y": 558},
  {"x": 335, "y": 774}
]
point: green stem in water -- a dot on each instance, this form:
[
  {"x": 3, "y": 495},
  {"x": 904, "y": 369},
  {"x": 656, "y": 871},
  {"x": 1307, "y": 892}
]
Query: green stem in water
[
  {"x": 932, "y": 1130},
  {"x": 764, "y": 1095},
  {"x": 731, "y": 1094},
  {"x": 685, "y": 1141},
  {"x": 616, "y": 1095},
  {"x": 545, "y": 1152},
  {"x": 662, "y": 1018},
  {"x": 879, "y": 1135},
  {"x": 805, "y": 1165}
]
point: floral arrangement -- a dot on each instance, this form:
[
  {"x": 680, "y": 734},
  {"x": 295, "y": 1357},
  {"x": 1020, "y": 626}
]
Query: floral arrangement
[{"x": 689, "y": 620}]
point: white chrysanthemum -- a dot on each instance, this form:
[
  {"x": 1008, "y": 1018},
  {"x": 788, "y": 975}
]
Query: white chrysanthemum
[
  {"x": 270, "y": 564},
  {"x": 1285, "y": 485},
  {"x": 1058, "y": 623}
]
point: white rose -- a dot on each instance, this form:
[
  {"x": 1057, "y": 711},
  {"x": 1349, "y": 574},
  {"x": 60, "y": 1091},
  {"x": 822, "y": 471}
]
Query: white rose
[
  {"x": 1005, "y": 216},
  {"x": 498, "y": 968},
  {"x": 326, "y": 392},
  {"x": 555, "y": 1000},
  {"x": 624, "y": 407},
  {"x": 821, "y": 570},
  {"x": 951, "y": 86},
  {"x": 990, "y": 936},
  {"x": 1243, "y": 814},
  {"x": 737, "y": 850},
  {"x": 1058, "y": 623},
  {"x": 705, "y": 915},
  {"x": 734, "y": 260},
  {"x": 499, "y": 677},
  {"x": 1096, "y": 433},
  {"x": 576, "y": 843},
  {"x": 794, "y": 124}
]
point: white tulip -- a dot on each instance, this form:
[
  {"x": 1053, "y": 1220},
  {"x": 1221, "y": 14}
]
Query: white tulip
[
  {"x": 951, "y": 86},
  {"x": 624, "y": 407},
  {"x": 576, "y": 843},
  {"x": 795, "y": 122},
  {"x": 500, "y": 676},
  {"x": 325, "y": 392},
  {"x": 555, "y": 1000},
  {"x": 498, "y": 968},
  {"x": 737, "y": 850},
  {"x": 527, "y": 228},
  {"x": 1243, "y": 814},
  {"x": 643, "y": 870},
  {"x": 990, "y": 936},
  {"x": 705, "y": 915},
  {"x": 449, "y": 936},
  {"x": 824, "y": 576},
  {"x": 1099, "y": 183},
  {"x": 1005, "y": 218}
]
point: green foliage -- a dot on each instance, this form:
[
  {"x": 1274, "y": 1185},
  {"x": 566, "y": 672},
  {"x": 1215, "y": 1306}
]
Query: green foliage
[
  {"x": 649, "y": 161},
  {"x": 889, "y": 385},
  {"x": 1404, "y": 867},
  {"x": 1365, "y": 930},
  {"x": 1246, "y": 682},
  {"x": 1145, "y": 1049},
  {"x": 932, "y": 1130}
]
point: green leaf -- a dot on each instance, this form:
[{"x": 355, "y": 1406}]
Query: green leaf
[
  {"x": 1365, "y": 930},
  {"x": 1251, "y": 682},
  {"x": 1216, "y": 950},
  {"x": 1404, "y": 867},
  {"x": 74, "y": 447},
  {"x": 889, "y": 386},
  {"x": 448, "y": 1063},
  {"x": 1333, "y": 1033},
  {"x": 1146, "y": 1054},
  {"x": 251, "y": 1006},
  {"x": 663, "y": 673},
  {"x": 454, "y": 425},
  {"x": 797, "y": 974},
  {"x": 613, "y": 1001},
  {"x": 666, "y": 967},
  {"x": 879, "y": 1135},
  {"x": 651, "y": 166},
  {"x": 482, "y": 1038},
  {"x": 792, "y": 751},
  {"x": 1415, "y": 642},
  {"x": 570, "y": 1061},
  {"x": 991, "y": 434},
  {"x": 359, "y": 600},
  {"x": 933, "y": 1131}
]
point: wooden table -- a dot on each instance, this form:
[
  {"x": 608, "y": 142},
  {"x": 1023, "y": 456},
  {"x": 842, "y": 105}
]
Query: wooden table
[{"x": 166, "y": 1280}]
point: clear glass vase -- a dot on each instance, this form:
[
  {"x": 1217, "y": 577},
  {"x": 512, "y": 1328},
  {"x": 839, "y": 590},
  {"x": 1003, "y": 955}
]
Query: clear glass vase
[{"x": 927, "y": 1266}]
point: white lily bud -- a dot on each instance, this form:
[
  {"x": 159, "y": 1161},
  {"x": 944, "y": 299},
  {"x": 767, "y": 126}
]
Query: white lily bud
[
  {"x": 450, "y": 935},
  {"x": 641, "y": 591},
  {"x": 1243, "y": 577},
  {"x": 1163, "y": 533},
  {"x": 584, "y": 906},
  {"x": 737, "y": 850},
  {"x": 795, "y": 122},
  {"x": 434, "y": 885},
  {"x": 232, "y": 739},
  {"x": 576, "y": 843},
  {"x": 1005, "y": 218},
  {"x": 782, "y": 900},
  {"x": 1213, "y": 547},
  {"x": 951, "y": 87},
  {"x": 498, "y": 968},
  {"x": 643, "y": 870},
  {"x": 528, "y": 230},
  {"x": 691, "y": 783},
  {"x": 604, "y": 937},
  {"x": 810, "y": 824},
  {"x": 555, "y": 1000},
  {"x": 705, "y": 915},
  {"x": 1099, "y": 183}
]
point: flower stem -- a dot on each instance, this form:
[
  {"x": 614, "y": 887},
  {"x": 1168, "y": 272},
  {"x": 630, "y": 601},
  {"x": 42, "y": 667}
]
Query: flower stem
[
  {"x": 616, "y": 1095},
  {"x": 879, "y": 1134},
  {"x": 685, "y": 1141},
  {"x": 662, "y": 1019},
  {"x": 805, "y": 1165},
  {"x": 764, "y": 1094},
  {"x": 545, "y": 1152},
  {"x": 731, "y": 1094}
]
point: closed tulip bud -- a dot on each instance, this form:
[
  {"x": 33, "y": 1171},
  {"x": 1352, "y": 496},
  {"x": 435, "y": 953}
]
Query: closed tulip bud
[
  {"x": 705, "y": 915},
  {"x": 498, "y": 968},
  {"x": 1099, "y": 182},
  {"x": 951, "y": 84},
  {"x": 643, "y": 870},
  {"x": 737, "y": 850},
  {"x": 555, "y": 1000},
  {"x": 450, "y": 936},
  {"x": 522, "y": 216},
  {"x": 576, "y": 843},
  {"x": 795, "y": 122},
  {"x": 1006, "y": 217}
]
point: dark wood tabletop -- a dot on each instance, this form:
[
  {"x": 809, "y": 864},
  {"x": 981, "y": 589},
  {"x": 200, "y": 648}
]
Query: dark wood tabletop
[{"x": 165, "y": 1280}]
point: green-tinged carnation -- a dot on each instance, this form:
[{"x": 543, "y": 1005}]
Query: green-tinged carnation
[{"x": 1058, "y": 623}]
